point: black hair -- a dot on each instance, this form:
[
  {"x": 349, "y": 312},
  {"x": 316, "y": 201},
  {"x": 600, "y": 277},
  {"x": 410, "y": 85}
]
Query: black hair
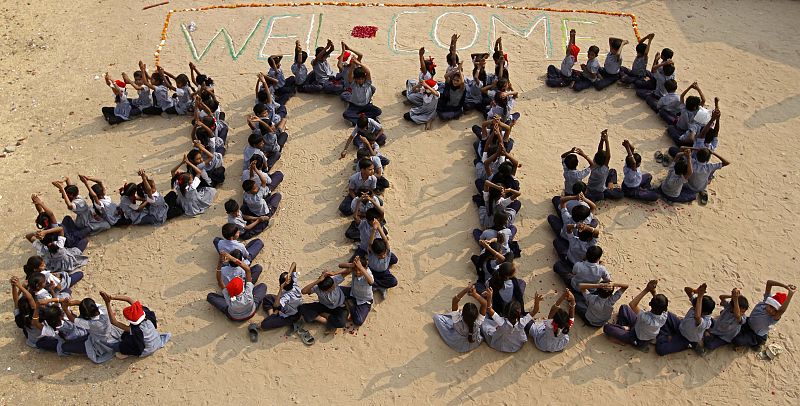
[
  {"x": 194, "y": 153},
  {"x": 430, "y": 67},
  {"x": 481, "y": 73},
  {"x": 630, "y": 162},
  {"x": 594, "y": 49},
  {"x": 254, "y": 139},
  {"x": 25, "y": 316},
  {"x": 378, "y": 246},
  {"x": 580, "y": 212},
  {"x": 578, "y": 188},
  {"x": 43, "y": 221},
  {"x": 641, "y": 48},
  {"x": 36, "y": 281},
  {"x": 594, "y": 253},
  {"x": 667, "y": 53},
  {"x": 229, "y": 230},
  {"x": 560, "y": 321},
  {"x": 708, "y": 305},
  {"x": 248, "y": 185},
  {"x": 670, "y": 85},
  {"x": 237, "y": 254},
  {"x": 513, "y": 311},
  {"x": 318, "y": 50},
  {"x": 88, "y": 309},
  {"x": 615, "y": 43},
  {"x": 363, "y": 153},
  {"x": 743, "y": 303},
  {"x": 469, "y": 314},
  {"x": 364, "y": 163},
  {"x": 203, "y": 79},
  {"x": 182, "y": 78},
  {"x": 72, "y": 190},
  {"x": 262, "y": 96},
  {"x": 693, "y": 103},
  {"x": 50, "y": 241},
  {"x": 669, "y": 70},
  {"x": 704, "y": 155},
  {"x": 51, "y": 315},
  {"x": 325, "y": 284},
  {"x": 359, "y": 73},
  {"x": 259, "y": 160},
  {"x": 362, "y": 121},
  {"x": 129, "y": 190},
  {"x": 601, "y": 158},
  {"x": 32, "y": 266},
  {"x": 571, "y": 161},
  {"x": 604, "y": 292},
  {"x": 99, "y": 190},
  {"x": 450, "y": 60},
  {"x": 500, "y": 221},
  {"x": 506, "y": 168},
  {"x": 659, "y": 304},
  {"x": 283, "y": 277},
  {"x": 585, "y": 235},
  {"x": 303, "y": 56},
  {"x": 372, "y": 214},
  {"x": 231, "y": 206},
  {"x": 259, "y": 109},
  {"x": 681, "y": 167},
  {"x": 501, "y": 101},
  {"x": 137, "y": 74}
]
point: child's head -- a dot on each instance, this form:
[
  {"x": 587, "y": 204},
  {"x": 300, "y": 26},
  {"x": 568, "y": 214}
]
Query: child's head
[
  {"x": 669, "y": 70},
  {"x": 319, "y": 51},
  {"x": 72, "y": 192},
  {"x": 744, "y": 304},
  {"x": 585, "y": 235},
  {"x": 363, "y": 153},
  {"x": 366, "y": 168},
  {"x": 561, "y": 322},
  {"x": 507, "y": 270},
  {"x": 262, "y": 96},
  {"x": 671, "y": 85},
  {"x": 615, "y": 44},
  {"x": 372, "y": 215},
  {"x": 633, "y": 161},
  {"x": 157, "y": 78},
  {"x": 681, "y": 167},
  {"x": 362, "y": 121},
  {"x": 703, "y": 155},
  {"x": 578, "y": 188},
  {"x": 513, "y": 311},
  {"x": 129, "y": 190},
  {"x": 707, "y": 306},
  {"x": 594, "y": 253},
  {"x": 666, "y": 53},
  {"x": 35, "y": 264},
  {"x": 580, "y": 212},
  {"x": 379, "y": 248},
  {"x": 571, "y": 161},
  {"x": 195, "y": 157},
  {"x": 456, "y": 80},
  {"x": 659, "y": 304},
  {"x": 604, "y": 293},
  {"x": 364, "y": 193},
  {"x": 326, "y": 284},
  {"x": 51, "y": 242},
  {"x": 283, "y": 278},
  {"x": 52, "y": 315},
  {"x": 203, "y": 80},
  {"x": 430, "y": 66},
  {"x": 693, "y": 103},
  {"x": 232, "y": 207},
  {"x": 256, "y": 140},
  {"x": 601, "y": 158},
  {"x": 303, "y": 57},
  {"x": 452, "y": 59},
  {"x": 99, "y": 190},
  {"x": 138, "y": 78},
  {"x": 469, "y": 314},
  {"x": 250, "y": 186},
  {"x": 641, "y": 48},
  {"x": 500, "y": 220},
  {"x": 43, "y": 221},
  {"x": 594, "y": 50},
  {"x": 88, "y": 309},
  {"x": 359, "y": 75},
  {"x": 184, "y": 181},
  {"x": 182, "y": 80},
  {"x": 36, "y": 282},
  {"x": 260, "y": 110},
  {"x": 502, "y": 84},
  {"x": 774, "y": 304},
  {"x": 259, "y": 161},
  {"x": 236, "y": 254},
  {"x": 230, "y": 231}
]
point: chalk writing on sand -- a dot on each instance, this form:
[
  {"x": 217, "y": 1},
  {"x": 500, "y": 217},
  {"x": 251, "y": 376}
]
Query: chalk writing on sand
[{"x": 401, "y": 27}]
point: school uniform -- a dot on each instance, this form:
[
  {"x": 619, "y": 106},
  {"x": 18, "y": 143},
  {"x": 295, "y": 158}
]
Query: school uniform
[
  {"x": 261, "y": 203},
  {"x": 480, "y": 168},
  {"x": 213, "y": 169},
  {"x": 724, "y": 328},
  {"x": 598, "y": 310},
  {"x": 675, "y": 189},
  {"x": 285, "y": 88},
  {"x": 546, "y": 339},
  {"x": 636, "y": 185},
  {"x": 701, "y": 173},
  {"x": 249, "y": 251},
  {"x": 680, "y": 334},
  {"x": 355, "y": 183},
  {"x": 195, "y": 200},
  {"x": 64, "y": 260},
  {"x": 109, "y": 211},
  {"x": 425, "y": 111},
  {"x": 576, "y": 248},
  {"x": 637, "y": 71},
  {"x": 122, "y": 110},
  {"x": 455, "y": 332},
  {"x": 163, "y": 104},
  {"x": 374, "y": 201},
  {"x": 474, "y": 98},
  {"x": 585, "y": 81},
  {"x": 359, "y": 294},
  {"x": 242, "y": 307},
  {"x": 415, "y": 98},
  {"x": 756, "y": 330},
  {"x": 330, "y": 302},
  {"x": 157, "y": 209},
  {"x": 241, "y": 224},
  {"x": 288, "y": 303},
  {"x": 573, "y": 176},
  {"x": 103, "y": 336},
  {"x": 143, "y": 339},
  {"x": 668, "y": 107},
  {"x": 360, "y": 102},
  {"x": 609, "y": 71},
  {"x": 451, "y": 103},
  {"x": 643, "y": 327},
  {"x": 87, "y": 216},
  {"x": 372, "y": 128},
  {"x": 501, "y": 335},
  {"x": 564, "y": 76},
  {"x": 145, "y": 98},
  {"x": 381, "y": 269},
  {"x": 512, "y": 290},
  {"x": 559, "y": 225},
  {"x": 599, "y": 177},
  {"x": 184, "y": 104},
  {"x": 588, "y": 272},
  {"x": 324, "y": 76}
]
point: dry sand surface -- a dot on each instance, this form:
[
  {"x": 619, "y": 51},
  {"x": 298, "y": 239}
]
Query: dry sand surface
[{"x": 53, "y": 53}]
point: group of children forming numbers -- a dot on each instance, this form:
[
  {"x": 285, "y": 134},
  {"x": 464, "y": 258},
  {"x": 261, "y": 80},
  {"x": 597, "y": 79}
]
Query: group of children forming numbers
[{"x": 590, "y": 292}]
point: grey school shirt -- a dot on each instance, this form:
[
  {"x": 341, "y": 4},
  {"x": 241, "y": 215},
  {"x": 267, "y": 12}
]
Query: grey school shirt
[
  {"x": 725, "y": 326},
  {"x": 123, "y": 107},
  {"x": 162, "y": 97},
  {"x": 241, "y": 306},
  {"x": 592, "y": 66},
  {"x": 567, "y": 64},
  {"x": 597, "y": 179},
  {"x": 612, "y": 63},
  {"x": 361, "y": 95},
  {"x": 300, "y": 72},
  {"x": 690, "y": 330},
  {"x": 639, "y": 67},
  {"x": 356, "y": 182},
  {"x": 577, "y": 248},
  {"x": 292, "y": 299},
  {"x": 648, "y": 325},
  {"x": 229, "y": 272},
  {"x": 760, "y": 321},
  {"x": 673, "y": 183},
  {"x": 701, "y": 172},
  {"x": 670, "y": 102},
  {"x": 660, "y": 79},
  {"x": 377, "y": 264},
  {"x": 322, "y": 71},
  {"x": 360, "y": 289},
  {"x": 588, "y": 272},
  {"x": 256, "y": 203},
  {"x": 598, "y": 309},
  {"x": 333, "y": 298},
  {"x": 88, "y": 217},
  {"x": 573, "y": 176}
]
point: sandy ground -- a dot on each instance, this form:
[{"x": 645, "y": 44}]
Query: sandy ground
[{"x": 49, "y": 96}]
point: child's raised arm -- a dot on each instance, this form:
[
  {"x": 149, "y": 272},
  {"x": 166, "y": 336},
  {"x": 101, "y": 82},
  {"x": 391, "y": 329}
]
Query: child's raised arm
[
  {"x": 649, "y": 39},
  {"x": 537, "y": 300},
  {"x": 177, "y": 167},
  {"x": 298, "y": 52},
  {"x": 453, "y": 52},
  {"x": 480, "y": 299},
  {"x": 584, "y": 199},
  {"x": 31, "y": 302},
  {"x": 92, "y": 195},
  {"x": 112, "y": 85},
  {"x": 650, "y": 288},
  {"x": 698, "y": 302},
  {"x": 572, "y": 35},
  {"x": 566, "y": 154},
  {"x": 422, "y": 60},
  {"x": 111, "y": 316},
  {"x": 148, "y": 188},
  {"x": 128, "y": 80},
  {"x": 457, "y": 298},
  {"x": 145, "y": 76},
  {"x": 307, "y": 289},
  {"x": 737, "y": 311}
]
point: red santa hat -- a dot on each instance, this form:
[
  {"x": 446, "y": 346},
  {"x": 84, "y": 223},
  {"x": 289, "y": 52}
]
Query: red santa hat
[
  {"x": 574, "y": 51},
  {"x": 776, "y": 300},
  {"x": 120, "y": 84},
  {"x": 346, "y": 56},
  {"x": 134, "y": 313},
  {"x": 235, "y": 287},
  {"x": 432, "y": 83}
]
